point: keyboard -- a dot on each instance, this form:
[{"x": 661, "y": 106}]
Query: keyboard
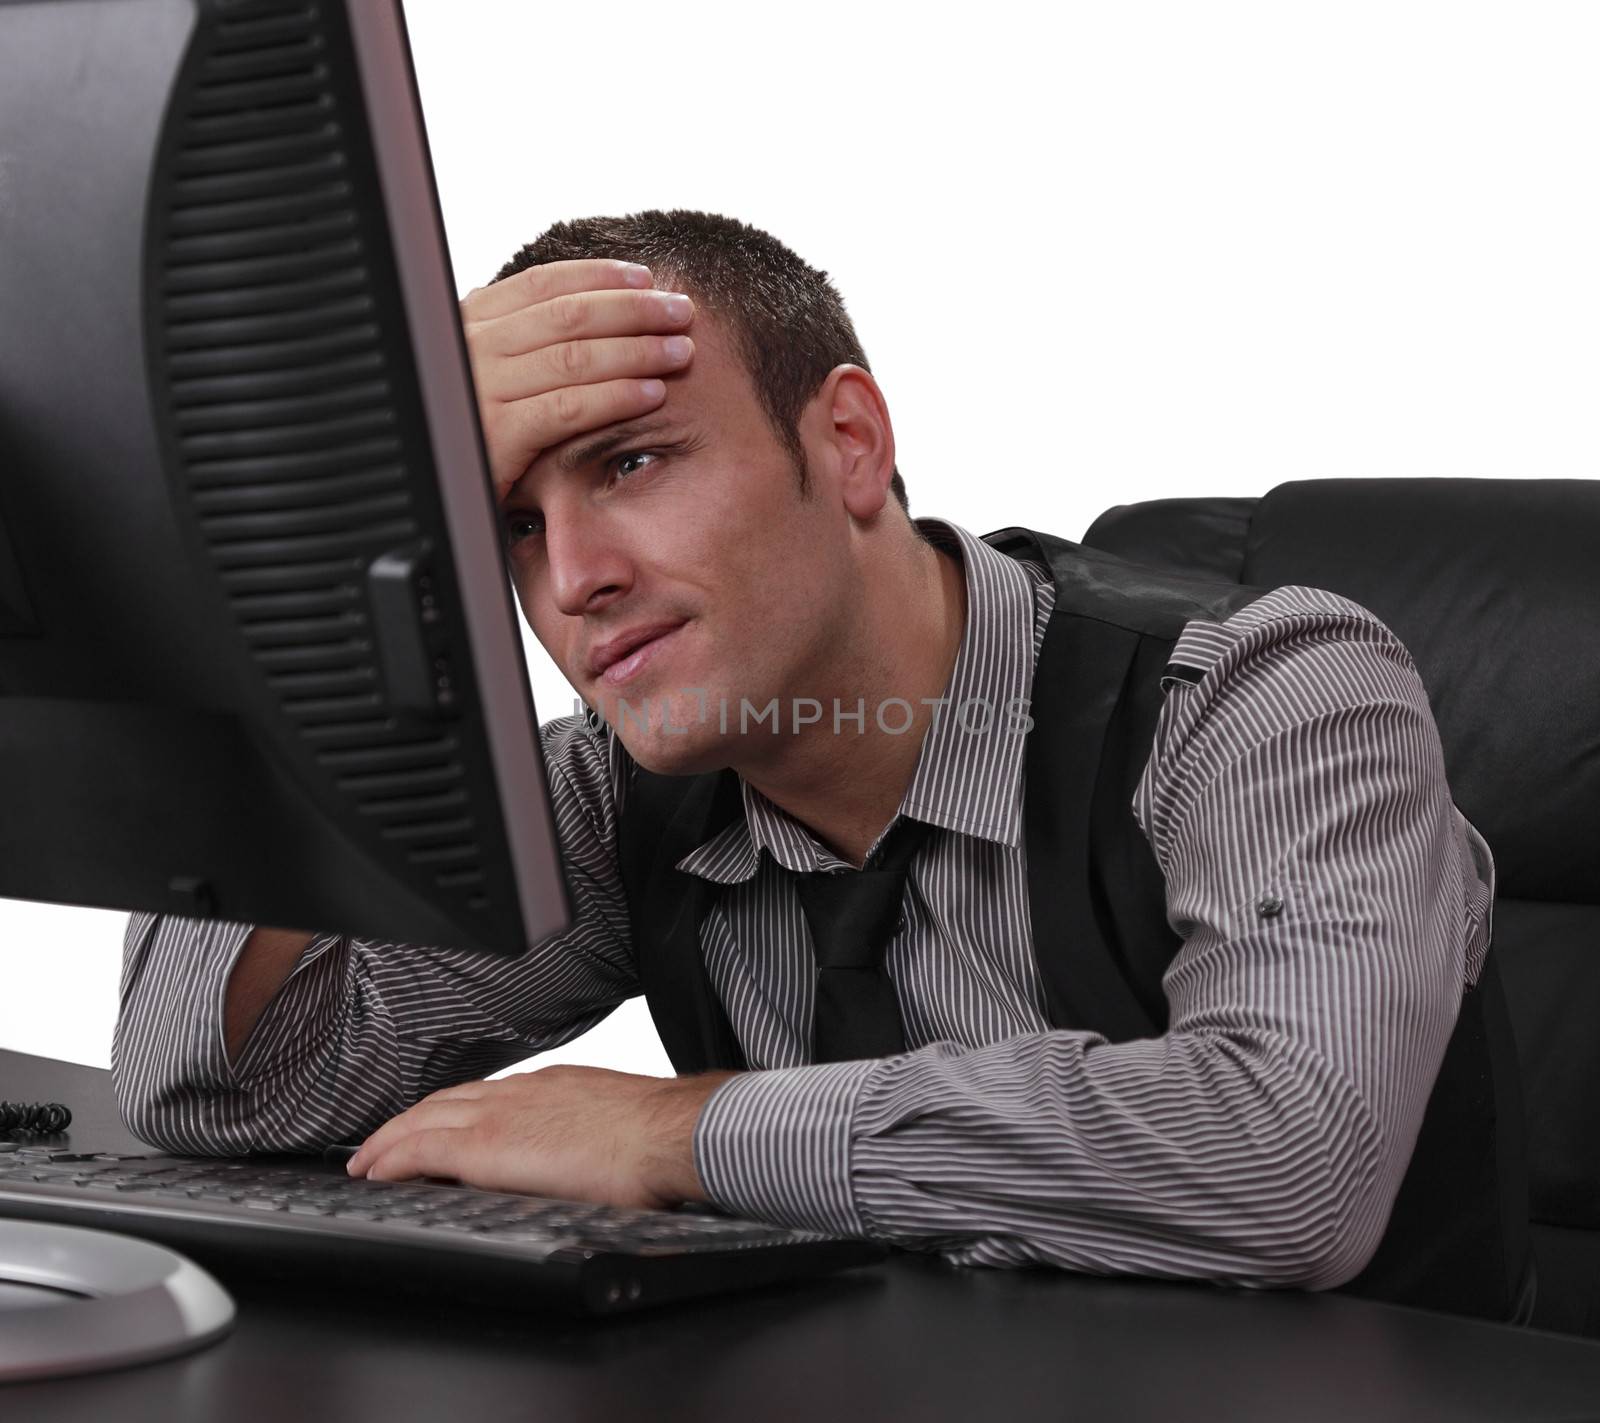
[{"x": 300, "y": 1218}]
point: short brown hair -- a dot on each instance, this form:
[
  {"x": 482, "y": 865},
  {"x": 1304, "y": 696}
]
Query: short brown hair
[{"x": 787, "y": 320}]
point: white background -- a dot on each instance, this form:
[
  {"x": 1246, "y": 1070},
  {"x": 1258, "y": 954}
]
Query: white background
[{"x": 1096, "y": 254}]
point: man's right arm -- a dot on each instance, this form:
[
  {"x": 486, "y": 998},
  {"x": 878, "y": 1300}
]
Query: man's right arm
[{"x": 233, "y": 1038}]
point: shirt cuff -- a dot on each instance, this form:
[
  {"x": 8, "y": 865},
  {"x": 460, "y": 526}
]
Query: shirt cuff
[{"x": 775, "y": 1145}]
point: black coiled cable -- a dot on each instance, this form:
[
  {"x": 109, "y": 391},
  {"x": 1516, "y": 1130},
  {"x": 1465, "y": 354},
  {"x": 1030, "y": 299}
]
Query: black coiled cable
[{"x": 45, "y": 1118}]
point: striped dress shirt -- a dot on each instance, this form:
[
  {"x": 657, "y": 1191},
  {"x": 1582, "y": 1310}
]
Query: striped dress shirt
[{"x": 1260, "y": 1141}]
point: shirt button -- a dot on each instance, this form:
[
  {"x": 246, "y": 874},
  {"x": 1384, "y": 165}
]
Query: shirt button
[
  {"x": 1269, "y": 907},
  {"x": 900, "y": 924}
]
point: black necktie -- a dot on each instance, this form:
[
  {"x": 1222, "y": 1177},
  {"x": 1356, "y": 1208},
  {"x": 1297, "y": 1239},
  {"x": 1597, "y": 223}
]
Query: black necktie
[{"x": 851, "y": 914}]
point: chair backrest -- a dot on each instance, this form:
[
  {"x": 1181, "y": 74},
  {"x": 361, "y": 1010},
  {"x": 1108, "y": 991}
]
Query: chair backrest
[{"x": 1493, "y": 585}]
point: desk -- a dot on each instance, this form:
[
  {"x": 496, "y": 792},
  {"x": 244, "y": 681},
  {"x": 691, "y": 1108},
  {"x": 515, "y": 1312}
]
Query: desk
[{"x": 914, "y": 1338}]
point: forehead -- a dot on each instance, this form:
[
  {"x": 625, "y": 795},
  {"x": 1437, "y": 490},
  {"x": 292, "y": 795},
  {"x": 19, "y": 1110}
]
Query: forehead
[{"x": 715, "y": 373}]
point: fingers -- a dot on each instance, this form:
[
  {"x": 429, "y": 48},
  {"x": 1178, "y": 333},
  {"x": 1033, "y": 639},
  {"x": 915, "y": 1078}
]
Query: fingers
[
  {"x": 435, "y": 1151},
  {"x": 533, "y": 402},
  {"x": 428, "y": 1114},
  {"x": 519, "y": 431},
  {"x": 579, "y": 363},
  {"x": 570, "y": 348},
  {"x": 582, "y": 316},
  {"x": 551, "y": 279},
  {"x": 472, "y": 1091}
]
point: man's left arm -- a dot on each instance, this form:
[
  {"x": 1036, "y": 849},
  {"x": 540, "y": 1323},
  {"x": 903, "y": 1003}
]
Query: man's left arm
[{"x": 1322, "y": 881}]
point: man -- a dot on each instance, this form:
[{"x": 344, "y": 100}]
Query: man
[{"x": 700, "y": 524}]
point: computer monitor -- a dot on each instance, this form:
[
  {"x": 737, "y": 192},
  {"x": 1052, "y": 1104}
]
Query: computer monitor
[{"x": 259, "y": 656}]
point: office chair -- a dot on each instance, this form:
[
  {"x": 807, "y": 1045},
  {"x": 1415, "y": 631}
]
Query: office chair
[{"x": 1493, "y": 585}]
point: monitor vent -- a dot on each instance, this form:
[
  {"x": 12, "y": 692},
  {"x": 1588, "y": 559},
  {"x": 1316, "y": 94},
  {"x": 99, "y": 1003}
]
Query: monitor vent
[{"x": 272, "y": 308}]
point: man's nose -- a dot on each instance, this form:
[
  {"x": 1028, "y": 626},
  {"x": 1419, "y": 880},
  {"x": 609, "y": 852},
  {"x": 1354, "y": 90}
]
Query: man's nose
[{"x": 587, "y": 564}]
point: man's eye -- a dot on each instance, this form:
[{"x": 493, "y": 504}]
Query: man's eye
[
  {"x": 619, "y": 460},
  {"x": 520, "y": 526}
]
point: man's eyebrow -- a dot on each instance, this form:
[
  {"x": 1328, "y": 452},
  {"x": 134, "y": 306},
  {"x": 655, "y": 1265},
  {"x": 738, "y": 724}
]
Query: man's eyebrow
[{"x": 570, "y": 461}]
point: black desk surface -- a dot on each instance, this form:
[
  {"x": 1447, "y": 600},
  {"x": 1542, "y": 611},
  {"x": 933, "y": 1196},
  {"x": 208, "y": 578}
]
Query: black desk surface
[{"x": 914, "y": 1338}]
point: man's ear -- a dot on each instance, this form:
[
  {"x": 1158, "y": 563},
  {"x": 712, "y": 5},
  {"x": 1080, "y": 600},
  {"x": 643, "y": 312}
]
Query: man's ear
[{"x": 855, "y": 435}]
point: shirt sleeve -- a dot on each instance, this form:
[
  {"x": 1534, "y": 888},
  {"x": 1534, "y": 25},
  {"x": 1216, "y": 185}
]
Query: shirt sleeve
[
  {"x": 1332, "y": 902},
  {"x": 362, "y": 1028}
]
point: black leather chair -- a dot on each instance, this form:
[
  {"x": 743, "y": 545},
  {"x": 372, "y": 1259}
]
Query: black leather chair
[{"x": 1494, "y": 587}]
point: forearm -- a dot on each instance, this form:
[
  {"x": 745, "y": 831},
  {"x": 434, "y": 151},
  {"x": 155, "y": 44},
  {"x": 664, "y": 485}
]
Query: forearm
[{"x": 1233, "y": 1158}]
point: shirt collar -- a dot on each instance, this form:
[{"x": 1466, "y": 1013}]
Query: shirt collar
[{"x": 969, "y": 775}]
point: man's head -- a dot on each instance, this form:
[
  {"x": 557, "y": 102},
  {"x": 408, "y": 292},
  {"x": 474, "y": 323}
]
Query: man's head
[
  {"x": 783, "y": 318},
  {"x": 751, "y": 510}
]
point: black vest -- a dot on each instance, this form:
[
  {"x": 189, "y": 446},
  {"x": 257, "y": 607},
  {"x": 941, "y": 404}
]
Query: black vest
[{"x": 1457, "y": 1236}]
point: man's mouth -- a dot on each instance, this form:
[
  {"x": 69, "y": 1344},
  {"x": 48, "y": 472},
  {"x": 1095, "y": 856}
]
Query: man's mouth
[{"x": 624, "y": 668}]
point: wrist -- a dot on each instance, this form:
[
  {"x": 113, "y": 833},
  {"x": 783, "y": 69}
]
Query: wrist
[{"x": 678, "y": 1107}]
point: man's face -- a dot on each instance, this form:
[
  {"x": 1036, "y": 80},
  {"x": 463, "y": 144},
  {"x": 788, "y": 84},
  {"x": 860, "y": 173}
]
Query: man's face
[{"x": 694, "y": 519}]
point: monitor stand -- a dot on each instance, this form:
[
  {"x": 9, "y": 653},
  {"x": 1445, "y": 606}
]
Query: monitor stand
[{"x": 78, "y": 1301}]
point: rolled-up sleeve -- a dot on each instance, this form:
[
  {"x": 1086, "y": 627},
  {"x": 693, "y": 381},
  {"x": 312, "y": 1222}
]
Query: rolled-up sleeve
[{"x": 1332, "y": 904}]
